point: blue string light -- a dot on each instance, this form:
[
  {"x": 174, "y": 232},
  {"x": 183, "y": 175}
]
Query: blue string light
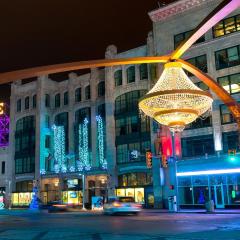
[
  {"x": 100, "y": 142},
  {"x": 59, "y": 149},
  {"x": 83, "y": 150}
]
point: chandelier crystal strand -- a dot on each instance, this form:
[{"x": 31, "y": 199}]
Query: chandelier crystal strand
[{"x": 174, "y": 100}]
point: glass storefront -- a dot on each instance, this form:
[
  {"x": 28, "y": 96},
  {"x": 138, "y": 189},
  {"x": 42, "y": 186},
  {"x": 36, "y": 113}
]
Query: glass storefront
[
  {"x": 224, "y": 190},
  {"x": 21, "y": 199},
  {"x": 136, "y": 193},
  {"x": 72, "y": 197}
]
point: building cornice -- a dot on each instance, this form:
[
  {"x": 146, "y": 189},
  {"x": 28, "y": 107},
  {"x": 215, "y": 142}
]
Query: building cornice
[{"x": 175, "y": 8}]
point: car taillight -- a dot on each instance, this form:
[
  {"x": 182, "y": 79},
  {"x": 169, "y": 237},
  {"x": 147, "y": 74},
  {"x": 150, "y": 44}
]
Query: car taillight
[
  {"x": 116, "y": 204},
  {"x": 138, "y": 205}
]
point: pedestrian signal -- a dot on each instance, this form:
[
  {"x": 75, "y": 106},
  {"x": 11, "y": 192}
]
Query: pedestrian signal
[{"x": 149, "y": 159}]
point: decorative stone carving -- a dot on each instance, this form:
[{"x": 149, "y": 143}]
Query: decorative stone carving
[
  {"x": 111, "y": 52},
  {"x": 175, "y": 8}
]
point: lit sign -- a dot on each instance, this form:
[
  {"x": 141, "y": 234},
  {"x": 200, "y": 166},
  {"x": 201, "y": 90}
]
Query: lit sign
[{"x": 209, "y": 172}]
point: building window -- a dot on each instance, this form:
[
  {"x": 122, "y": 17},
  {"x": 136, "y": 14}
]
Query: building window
[
  {"x": 230, "y": 141},
  {"x": 200, "y": 62},
  {"x": 25, "y": 145},
  {"x": 118, "y": 78},
  {"x": 227, "y": 57},
  {"x": 143, "y": 71},
  {"x": 123, "y": 151},
  {"x": 87, "y": 92},
  {"x": 47, "y": 100},
  {"x": 226, "y": 116},
  {"x": 3, "y": 167},
  {"x": 47, "y": 141},
  {"x": 135, "y": 179},
  {"x": 101, "y": 89},
  {"x": 34, "y": 101},
  {"x": 197, "y": 146},
  {"x": 57, "y": 100},
  {"x": 131, "y": 74},
  {"x": 26, "y": 102},
  {"x": 227, "y": 26},
  {"x": 78, "y": 96},
  {"x": 230, "y": 83},
  {"x": 128, "y": 102},
  {"x": 19, "y": 105},
  {"x": 47, "y": 121},
  {"x": 179, "y": 38},
  {"x": 202, "y": 86},
  {"x": 65, "y": 98},
  {"x": 200, "y": 123}
]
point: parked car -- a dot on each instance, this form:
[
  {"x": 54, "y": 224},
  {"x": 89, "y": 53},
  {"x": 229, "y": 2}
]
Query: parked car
[{"x": 121, "y": 205}]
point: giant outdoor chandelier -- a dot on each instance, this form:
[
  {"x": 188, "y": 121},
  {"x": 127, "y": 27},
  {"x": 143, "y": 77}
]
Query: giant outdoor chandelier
[
  {"x": 174, "y": 100},
  {"x": 171, "y": 105}
]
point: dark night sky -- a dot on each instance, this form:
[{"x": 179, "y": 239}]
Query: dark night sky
[{"x": 42, "y": 32}]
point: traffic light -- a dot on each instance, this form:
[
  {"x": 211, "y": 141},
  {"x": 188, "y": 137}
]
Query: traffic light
[
  {"x": 149, "y": 159},
  {"x": 164, "y": 161}
]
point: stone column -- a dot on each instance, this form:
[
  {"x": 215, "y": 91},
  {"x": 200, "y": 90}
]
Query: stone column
[
  {"x": 110, "y": 124},
  {"x": 94, "y": 80}
]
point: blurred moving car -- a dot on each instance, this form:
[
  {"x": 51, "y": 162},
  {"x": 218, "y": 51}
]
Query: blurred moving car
[
  {"x": 121, "y": 205},
  {"x": 57, "y": 206}
]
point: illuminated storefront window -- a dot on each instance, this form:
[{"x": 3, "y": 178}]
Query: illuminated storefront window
[
  {"x": 136, "y": 193},
  {"x": 72, "y": 197},
  {"x": 22, "y": 199}
]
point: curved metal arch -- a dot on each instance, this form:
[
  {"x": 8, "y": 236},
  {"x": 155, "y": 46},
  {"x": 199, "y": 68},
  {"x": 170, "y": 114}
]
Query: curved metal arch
[
  {"x": 220, "y": 12},
  {"x": 227, "y": 99},
  {"x": 65, "y": 67}
]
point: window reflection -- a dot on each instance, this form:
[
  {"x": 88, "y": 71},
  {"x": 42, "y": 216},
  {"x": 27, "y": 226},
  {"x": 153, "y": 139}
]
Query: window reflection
[
  {"x": 230, "y": 83},
  {"x": 227, "y": 26}
]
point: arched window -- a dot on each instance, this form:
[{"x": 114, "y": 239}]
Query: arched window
[
  {"x": 131, "y": 74},
  {"x": 47, "y": 100},
  {"x": 143, "y": 71},
  {"x": 101, "y": 89},
  {"x": 65, "y": 98},
  {"x": 78, "y": 96},
  {"x": 26, "y": 102},
  {"x": 128, "y": 102},
  {"x": 25, "y": 145},
  {"x": 118, "y": 78},
  {"x": 19, "y": 105},
  {"x": 34, "y": 101},
  {"x": 57, "y": 100},
  {"x": 87, "y": 92}
]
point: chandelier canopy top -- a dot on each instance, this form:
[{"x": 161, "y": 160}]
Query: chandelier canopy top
[{"x": 175, "y": 100}]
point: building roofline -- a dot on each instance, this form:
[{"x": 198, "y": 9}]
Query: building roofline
[{"x": 175, "y": 8}]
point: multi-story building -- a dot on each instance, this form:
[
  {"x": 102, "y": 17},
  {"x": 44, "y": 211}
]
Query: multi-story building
[
  {"x": 89, "y": 125},
  {"x": 206, "y": 142}
]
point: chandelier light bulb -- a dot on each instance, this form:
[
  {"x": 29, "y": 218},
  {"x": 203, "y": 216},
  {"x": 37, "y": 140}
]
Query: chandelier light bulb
[{"x": 175, "y": 100}]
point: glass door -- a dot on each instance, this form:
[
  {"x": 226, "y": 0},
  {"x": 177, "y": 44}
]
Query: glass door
[{"x": 218, "y": 196}]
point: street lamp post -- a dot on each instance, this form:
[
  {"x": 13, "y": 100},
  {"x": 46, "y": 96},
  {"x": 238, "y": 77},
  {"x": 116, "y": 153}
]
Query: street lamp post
[{"x": 175, "y": 168}]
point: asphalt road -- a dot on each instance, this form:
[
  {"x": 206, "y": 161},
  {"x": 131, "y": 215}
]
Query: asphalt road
[{"x": 26, "y": 225}]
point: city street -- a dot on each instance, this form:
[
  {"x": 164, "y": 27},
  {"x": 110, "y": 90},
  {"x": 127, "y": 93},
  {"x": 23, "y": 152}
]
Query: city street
[{"x": 148, "y": 225}]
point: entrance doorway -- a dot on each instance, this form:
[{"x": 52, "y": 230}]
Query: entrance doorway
[{"x": 218, "y": 196}]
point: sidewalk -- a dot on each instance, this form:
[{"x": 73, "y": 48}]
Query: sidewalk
[{"x": 217, "y": 211}]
